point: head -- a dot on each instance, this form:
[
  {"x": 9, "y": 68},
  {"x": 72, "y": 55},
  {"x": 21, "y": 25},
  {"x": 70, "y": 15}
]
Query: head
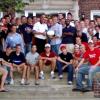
[
  {"x": 86, "y": 20},
  {"x": 50, "y": 22},
  {"x": 69, "y": 16},
  {"x": 8, "y": 49},
  {"x": 13, "y": 28},
  {"x": 95, "y": 39},
  {"x": 23, "y": 19},
  {"x": 60, "y": 16},
  {"x": 18, "y": 21},
  {"x": 78, "y": 41},
  {"x": 47, "y": 48},
  {"x": 33, "y": 49},
  {"x": 63, "y": 49},
  {"x": 29, "y": 20},
  {"x": 76, "y": 48},
  {"x": 92, "y": 24},
  {"x": 91, "y": 44},
  {"x": 42, "y": 18},
  {"x": 55, "y": 19},
  {"x": 18, "y": 48}
]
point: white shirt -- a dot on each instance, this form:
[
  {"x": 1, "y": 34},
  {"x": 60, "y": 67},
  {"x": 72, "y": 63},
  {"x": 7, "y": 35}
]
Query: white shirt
[{"x": 38, "y": 27}]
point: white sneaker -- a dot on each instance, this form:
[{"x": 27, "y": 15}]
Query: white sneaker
[
  {"x": 52, "y": 75},
  {"x": 42, "y": 76},
  {"x": 22, "y": 81},
  {"x": 60, "y": 76},
  {"x": 12, "y": 82},
  {"x": 69, "y": 82}
]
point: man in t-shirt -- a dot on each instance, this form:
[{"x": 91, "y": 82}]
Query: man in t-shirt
[
  {"x": 18, "y": 61},
  {"x": 32, "y": 59},
  {"x": 93, "y": 56},
  {"x": 65, "y": 61},
  {"x": 47, "y": 58}
]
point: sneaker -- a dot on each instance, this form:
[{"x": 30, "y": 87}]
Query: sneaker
[
  {"x": 42, "y": 76},
  {"x": 52, "y": 75},
  {"x": 76, "y": 90},
  {"x": 87, "y": 90},
  {"x": 11, "y": 82},
  {"x": 36, "y": 83},
  {"x": 60, "y": 76},
  {"x": 69, "y": 82},
  {"x": 22, "y": 82}
]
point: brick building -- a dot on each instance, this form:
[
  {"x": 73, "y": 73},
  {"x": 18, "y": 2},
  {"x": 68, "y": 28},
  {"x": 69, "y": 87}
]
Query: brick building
[{"x": 89, "y": 8}]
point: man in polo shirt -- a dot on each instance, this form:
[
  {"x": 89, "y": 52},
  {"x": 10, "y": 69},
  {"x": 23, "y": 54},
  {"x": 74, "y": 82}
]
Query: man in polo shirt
[
  {"x": 93, "y": 56},
  {"x": 47, "y": 58}
]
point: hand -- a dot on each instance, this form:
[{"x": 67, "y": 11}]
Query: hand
[
  {"x": 64, "y": 67},
  {"x": 76, "y": 70}
]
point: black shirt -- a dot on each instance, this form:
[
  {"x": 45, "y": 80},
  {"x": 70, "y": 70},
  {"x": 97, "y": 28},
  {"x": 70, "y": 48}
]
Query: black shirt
[
  {"x": 6, "y": 57},
  {"x": 17, "y": 59},
  {"x": 66, "y": 57},
  {"x": 69, "y": 39}
]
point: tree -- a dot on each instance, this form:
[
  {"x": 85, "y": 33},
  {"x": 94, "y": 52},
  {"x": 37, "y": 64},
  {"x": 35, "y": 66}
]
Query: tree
[{"x": 12, "y": 6}]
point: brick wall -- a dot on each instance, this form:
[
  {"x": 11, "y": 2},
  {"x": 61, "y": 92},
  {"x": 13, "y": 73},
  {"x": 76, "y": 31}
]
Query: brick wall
[{"x": 85, "y": 6}]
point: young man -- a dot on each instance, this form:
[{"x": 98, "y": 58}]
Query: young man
[
  {"x": 93, "y": 56},
  {"x": 65, "y": 61},
  {"x": 18, "y": 61},
  {"x": 32, "y": 59},
  {"x": 47, "y": 58}
]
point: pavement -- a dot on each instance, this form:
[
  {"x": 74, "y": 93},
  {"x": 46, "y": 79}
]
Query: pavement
[{"x": 49, "y": 89}]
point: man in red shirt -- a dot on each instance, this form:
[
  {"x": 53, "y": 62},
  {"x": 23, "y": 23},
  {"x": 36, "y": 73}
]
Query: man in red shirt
[
  {"x": 93, "y": 57},
  {"x": 47, "y": 58}
]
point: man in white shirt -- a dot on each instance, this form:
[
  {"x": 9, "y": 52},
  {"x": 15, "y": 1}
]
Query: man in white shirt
[{"x": 40, "y": 29}]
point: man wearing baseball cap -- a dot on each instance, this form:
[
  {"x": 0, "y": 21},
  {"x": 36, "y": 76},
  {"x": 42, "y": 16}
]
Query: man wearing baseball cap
[
  {"x": 65, "y": 62},
  {"x": 93, "y": 57},
  {"x": 47, "y": 58}
]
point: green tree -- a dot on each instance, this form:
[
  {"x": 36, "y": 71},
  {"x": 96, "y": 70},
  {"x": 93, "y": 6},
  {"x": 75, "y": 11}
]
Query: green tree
[{"x": 11, "y": 6}]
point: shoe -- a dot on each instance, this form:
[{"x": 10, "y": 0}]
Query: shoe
[
  {"x": 11, "y": 82},
  {"x": 22, "y": 82},
  {"x": 27, "y": 83},
  {"x": 52, "y": 75},
  {"x": 60, "y": 76},
  {"x": 76, "y": 90},
  {"x": 87, "y": 90},
  {"x": 69, "y": 82},
  {"x": 36, "y": 83},
  {"x": 42, "y": 76}
]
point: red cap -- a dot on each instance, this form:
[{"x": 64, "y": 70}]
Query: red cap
[{"x": 62, "y": 47}]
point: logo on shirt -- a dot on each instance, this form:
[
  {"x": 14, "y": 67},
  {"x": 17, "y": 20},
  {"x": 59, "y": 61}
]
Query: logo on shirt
[{"x": 92, "y": 55}]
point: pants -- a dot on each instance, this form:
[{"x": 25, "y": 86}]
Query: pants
[
  {"x": 69, "y": 70},
  {"x": 86, "y": 70}
]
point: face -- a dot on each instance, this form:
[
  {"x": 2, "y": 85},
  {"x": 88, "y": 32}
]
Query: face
[
  {"x": 78, "y": 40},
  {"x": 55, "y": 20},
  {"x": 13, "y": 29},
  {"x": 34, "y": 48},
  {"x": 69, "y": 17},
  {"x": 91, "y": 46},
  {"x": 42, "y": 18},
  {"x": 47, "y": 49},
  {"x": 18, "y": 49},
  {"x": 82, "y": 48},
  {"x": 23, "y": 20},
  {"x": 8, "y": 50},
  {"x": 64, "y": 50},
  {"x": 30, "y": 20}
]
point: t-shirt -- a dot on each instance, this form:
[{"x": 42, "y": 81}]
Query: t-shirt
[
  {"x": 6, "y": 57},
  {"x": 26, "y": 35},
  {"x": 92, "y": 56},
  {"x": 66, "y": 57},
  {"x": 17, "y": 59},
  {"x": 52, "y": 54},
  {"x": 32, "y": 58}
]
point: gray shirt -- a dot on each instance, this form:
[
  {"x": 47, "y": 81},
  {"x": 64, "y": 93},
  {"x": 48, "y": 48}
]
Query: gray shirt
[{"x": 32, "y": 58}]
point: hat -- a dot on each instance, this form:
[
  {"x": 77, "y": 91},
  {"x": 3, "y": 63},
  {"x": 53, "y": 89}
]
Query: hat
[
  {"x": 63, "y": 46},
  {"x": 47, "y": 45},
  {"x": 90, "y": 41}
]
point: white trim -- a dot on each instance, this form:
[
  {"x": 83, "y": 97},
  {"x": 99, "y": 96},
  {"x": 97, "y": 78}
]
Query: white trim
[{"x": 94, "y": 12}]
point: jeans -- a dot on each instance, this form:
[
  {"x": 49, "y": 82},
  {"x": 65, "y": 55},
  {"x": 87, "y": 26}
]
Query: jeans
[
  {"x": 83, "y": 71},
  {"x": 28, "y": 47},
  {"x": 55, "y": 48},
  {"x": 69, "y": 69}
]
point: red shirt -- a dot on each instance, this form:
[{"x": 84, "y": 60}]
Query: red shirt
[
  {"x": 92, "y": 56},
  {"x": 52, "y": 54},
  {"x": 86, "y": 45}
]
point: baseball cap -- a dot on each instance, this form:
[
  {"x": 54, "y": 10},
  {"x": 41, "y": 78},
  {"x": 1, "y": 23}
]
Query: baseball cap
[
  {"x": 90, "y": 41},
  {"x": 47, "y": 45},
  {"x": 62, "y": 47}
]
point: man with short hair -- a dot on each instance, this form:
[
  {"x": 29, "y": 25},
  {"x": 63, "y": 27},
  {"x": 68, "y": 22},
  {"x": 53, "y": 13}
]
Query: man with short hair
[
  {"x": 47, "y": 58},
  {"x": 32, "y": 59},
  {"x": 18, "y": 61},
  {"x": 65, "y": 61},
  {"x": 93, "y": 56}
]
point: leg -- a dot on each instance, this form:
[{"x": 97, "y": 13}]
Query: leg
[
  {"x": 70, "y": 70},
  {"x": 4, "y": 75}
]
